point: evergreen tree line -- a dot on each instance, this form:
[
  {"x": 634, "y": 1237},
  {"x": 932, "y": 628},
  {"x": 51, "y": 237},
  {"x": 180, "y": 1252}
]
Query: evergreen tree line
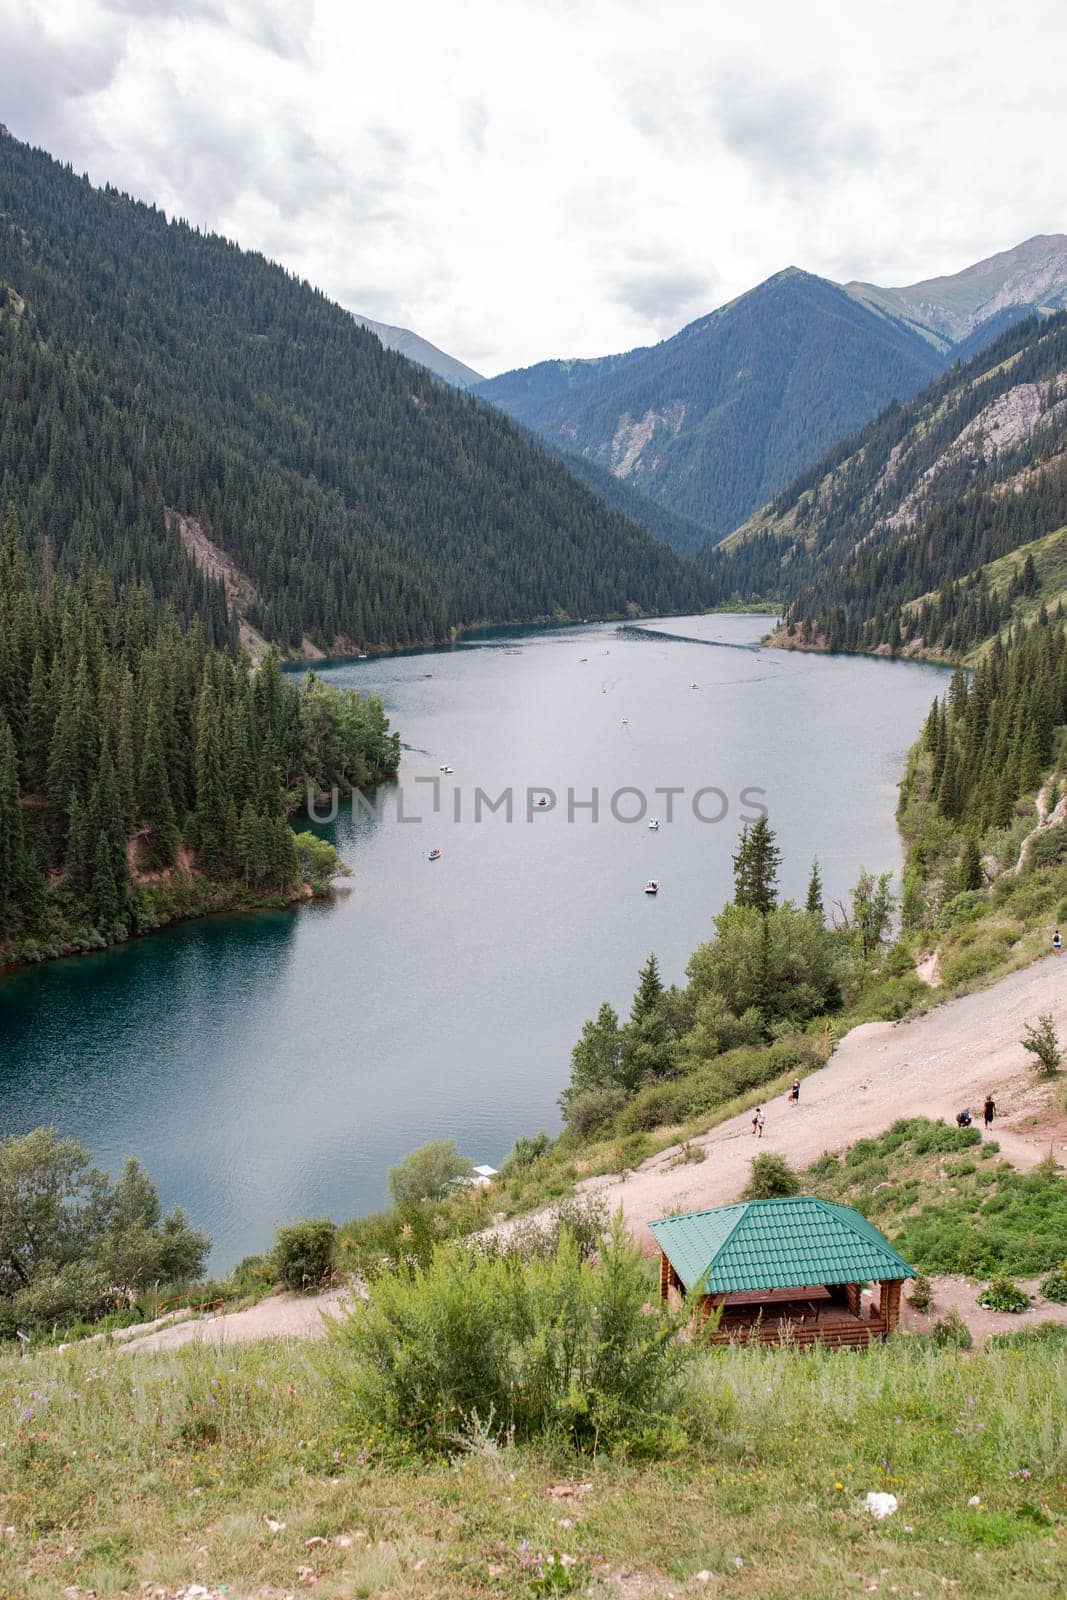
[
  {"x": 991, "y": 739},
  {"x": 129, "y": 744},
  {"x": 148, "y": 368}
]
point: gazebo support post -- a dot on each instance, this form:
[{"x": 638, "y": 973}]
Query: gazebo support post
[{"x": 889, "y": 1303}]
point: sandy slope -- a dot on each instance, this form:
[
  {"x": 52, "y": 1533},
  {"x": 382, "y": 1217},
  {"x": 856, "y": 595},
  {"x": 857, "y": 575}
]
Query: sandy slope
[{"x": 931, "y": 1066}]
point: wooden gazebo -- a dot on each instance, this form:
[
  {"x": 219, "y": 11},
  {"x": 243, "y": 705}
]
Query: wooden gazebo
[{"x": 783, "y": 1271}]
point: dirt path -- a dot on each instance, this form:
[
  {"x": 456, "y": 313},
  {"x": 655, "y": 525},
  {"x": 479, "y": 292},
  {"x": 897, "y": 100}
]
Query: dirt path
[
  {"x": 932, "y": 1067},
  {"x": 280, "y": 1316}
]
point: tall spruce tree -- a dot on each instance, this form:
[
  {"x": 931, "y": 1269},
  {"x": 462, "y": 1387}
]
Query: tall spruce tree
[{"x": 756, "y": 867}]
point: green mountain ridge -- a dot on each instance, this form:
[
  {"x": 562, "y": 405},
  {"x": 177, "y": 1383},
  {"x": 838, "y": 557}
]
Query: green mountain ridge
[
  {"x": 713, "y": 421},
  {"x": 148, "y": 369}
]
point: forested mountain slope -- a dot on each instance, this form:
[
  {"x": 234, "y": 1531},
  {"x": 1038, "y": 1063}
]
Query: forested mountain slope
[
  {"x": 714, "y": 420},
  {"x": 147, "y": 367},
  {"x": 884, "y": 544}
]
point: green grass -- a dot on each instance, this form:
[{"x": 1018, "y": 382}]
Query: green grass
[
  {"x": 946, "y": 1204},
  {"x": 164, "y": 1470}
]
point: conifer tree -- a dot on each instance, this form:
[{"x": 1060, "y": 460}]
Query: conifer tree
[
  {"x": 813, "y": 904},
  {"x": 12, "y": 848},
  {"x": 756, "y": 867},
  {"x": 971, "y": 874},
  {"x": 155, "y": 806}
]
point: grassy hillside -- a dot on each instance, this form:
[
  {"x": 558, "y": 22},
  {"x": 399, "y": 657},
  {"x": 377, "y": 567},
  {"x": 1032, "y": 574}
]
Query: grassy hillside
[{"x": 246, "y": 1471}]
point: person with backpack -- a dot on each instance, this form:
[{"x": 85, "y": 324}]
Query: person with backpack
[
  {"x": 757, "y": 1123},
  {"x": 989, "y": 1111},
  {"x": 794, "y": 1093},
  {"x": 1057, "y": 943}
]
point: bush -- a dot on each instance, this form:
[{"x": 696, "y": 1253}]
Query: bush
[
  {"x": 304, "y": 1253},
  {"x": 591, "y": 1113},
  {"x": 771, "y": 1178},
  {"x": 922, "y": 1293},
  {"x": 1043, "y": 1044},
  {"x": 538, "y": 1238},
  {"x": 428, "y": 1173},
  {"x": 1000, "y": 1294},
  {"x": 557, "y": 1349},
  {"x": 952, "y": 1333},
  {"x": 1055, "y": 1285},
  {"x": 657, "y": 1106},
  {"x": 526, "y": 1151},
  {"x": 1047, "y": 847}
]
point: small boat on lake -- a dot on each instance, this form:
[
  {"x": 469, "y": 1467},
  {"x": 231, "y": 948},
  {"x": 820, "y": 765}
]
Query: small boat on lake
[
  {"x": 435, "y": 855},
  {"x": 543, "y": 800},
  {"x": 654, "y": 824},
  {"x": 447, "y": 769},
  {"x": 652, "y": 887}
]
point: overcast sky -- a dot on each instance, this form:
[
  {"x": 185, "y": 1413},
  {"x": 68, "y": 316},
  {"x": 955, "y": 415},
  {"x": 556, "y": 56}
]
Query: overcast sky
[{"x": 518, "y": 179}]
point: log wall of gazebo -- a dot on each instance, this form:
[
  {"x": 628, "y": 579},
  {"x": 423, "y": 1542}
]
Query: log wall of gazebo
[{"x": 817, "y": 1314}]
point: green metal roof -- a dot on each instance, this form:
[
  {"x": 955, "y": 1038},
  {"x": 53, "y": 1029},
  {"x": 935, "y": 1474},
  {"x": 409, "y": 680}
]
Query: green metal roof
[{"x": 776, "y": 1244}]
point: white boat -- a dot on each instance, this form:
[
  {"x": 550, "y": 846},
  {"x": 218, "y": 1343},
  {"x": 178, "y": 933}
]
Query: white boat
[
  {"x": 435, "y": 855},
  {"x": 447, "y": 769},
  {"x": 654, "y": 824},
  {"x": 652, "y": 887}
]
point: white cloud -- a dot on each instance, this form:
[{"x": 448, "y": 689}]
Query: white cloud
[{"x": 559, "y": 177}]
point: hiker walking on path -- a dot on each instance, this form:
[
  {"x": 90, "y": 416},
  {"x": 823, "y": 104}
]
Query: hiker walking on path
[
  {"x": 989, "y": 1110},
  {"x": 794, "y": 1093},
  {"x": 757, "y": 1123},
  {"x": 1057, "y": 943}
]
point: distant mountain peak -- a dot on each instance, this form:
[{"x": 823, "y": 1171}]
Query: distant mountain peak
[
  {"x": 1031, "y": 276},
  {"x": 421, "y": 351}
]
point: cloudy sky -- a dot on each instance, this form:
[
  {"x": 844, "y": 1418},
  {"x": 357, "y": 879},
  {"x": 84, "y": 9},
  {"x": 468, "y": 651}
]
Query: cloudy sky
[{"x": 517, "y": 179}]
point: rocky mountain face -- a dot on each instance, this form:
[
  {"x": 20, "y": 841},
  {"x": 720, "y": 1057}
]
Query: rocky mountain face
[
  {"x": 713, "y": 421},
  {"x": 913, "y": 535},
  {"x": 1030, "y": 277}
]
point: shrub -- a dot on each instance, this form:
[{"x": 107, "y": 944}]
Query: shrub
[
  {"x": 584, "y": 1220},
  {"x": 556, "y": 1349},
  {"x": 428, "y": 1173},
  {"x": 591, "y": 1113},
  {"x": 1043, "y": 1044},
  {"x": 771, "y": 1178},
  {"x": 304, "y": 1253},
  {"x": 1000, "y": 1294},
  {"x": 526, "y": 1151},
  {"x": 952, "y": 1333},
  {"x": 1047, "y": 847},
  {"x": 922, "y": 1293},
  {"x": 657, "y": 1106},
  {"x": 1055, "y": 1285}
]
